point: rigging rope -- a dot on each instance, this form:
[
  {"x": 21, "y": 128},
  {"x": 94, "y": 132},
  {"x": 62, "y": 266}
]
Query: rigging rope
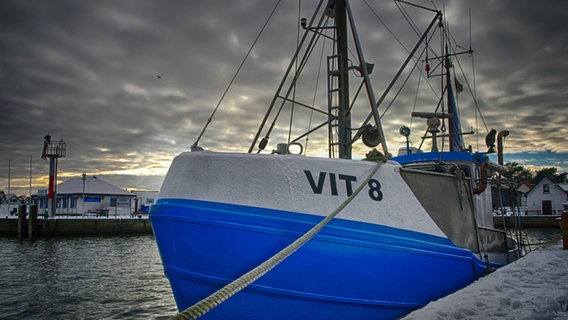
[
  {"x": 264, "y": 141},
  {"x": 296, "y": 71},
  {"x": 403, "y": 85},
  {"x": 314, "y": 97},
  {"x": 415, "y": 99},
  {"x": 202, "y": 307},
  {"x": 472, "y": 92},
  {"x": 194, "y": 145},
  {"x": 386, "y": 26},
  {"x": 409, "y": 20}
]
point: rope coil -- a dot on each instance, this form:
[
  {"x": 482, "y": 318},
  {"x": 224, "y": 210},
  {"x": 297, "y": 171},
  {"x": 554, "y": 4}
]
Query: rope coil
[{"x": 205, "y": 305}]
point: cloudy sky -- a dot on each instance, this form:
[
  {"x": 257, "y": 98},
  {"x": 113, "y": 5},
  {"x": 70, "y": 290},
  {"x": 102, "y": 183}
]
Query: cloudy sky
[{"x": 129, "y": 84}]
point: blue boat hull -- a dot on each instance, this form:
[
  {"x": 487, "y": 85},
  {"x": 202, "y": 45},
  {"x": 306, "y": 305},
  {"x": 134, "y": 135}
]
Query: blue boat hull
[{"x": 350, "y": 270}]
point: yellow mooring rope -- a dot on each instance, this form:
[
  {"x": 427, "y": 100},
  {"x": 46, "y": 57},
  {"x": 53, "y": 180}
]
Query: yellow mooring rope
[{"x": 202, "y": 307}]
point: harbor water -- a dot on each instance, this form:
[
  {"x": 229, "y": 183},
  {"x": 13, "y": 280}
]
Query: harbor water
[
  {"x": 118, "y": 277},
  {"x": 83, "y": 278}
]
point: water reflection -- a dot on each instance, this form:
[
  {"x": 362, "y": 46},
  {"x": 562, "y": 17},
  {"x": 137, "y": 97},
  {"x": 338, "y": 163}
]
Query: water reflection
[
  {"x": 83, "y": 278},
  {"x": 105, "y": 277}
]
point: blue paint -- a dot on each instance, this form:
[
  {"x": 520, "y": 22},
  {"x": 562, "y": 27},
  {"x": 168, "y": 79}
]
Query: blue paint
[
  {"x": 438, "y": 156},
  {"x": 350, "y": 270}
]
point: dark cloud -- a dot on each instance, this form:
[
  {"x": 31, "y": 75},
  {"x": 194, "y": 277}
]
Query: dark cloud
[{"x": 129, "y": 84}]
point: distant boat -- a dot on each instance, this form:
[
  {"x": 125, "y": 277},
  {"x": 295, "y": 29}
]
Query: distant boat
[{"x": 408, "y": 230}]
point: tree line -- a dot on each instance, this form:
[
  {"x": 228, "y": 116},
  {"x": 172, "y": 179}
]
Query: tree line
[{"x": 518, "y": 174}]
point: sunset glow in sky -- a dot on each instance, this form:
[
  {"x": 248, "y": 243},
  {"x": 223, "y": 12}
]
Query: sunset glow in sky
[{"x": 129, "y": 84}]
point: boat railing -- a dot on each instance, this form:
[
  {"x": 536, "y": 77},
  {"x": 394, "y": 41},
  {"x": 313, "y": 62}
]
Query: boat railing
[{"x": 493, "y": 240}]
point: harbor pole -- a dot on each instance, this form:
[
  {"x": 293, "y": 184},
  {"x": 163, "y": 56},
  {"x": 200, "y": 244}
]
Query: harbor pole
[
  {"x": 32, "y": 222},
  {"x": 51, "y": 196},
  {"x": 21, "y": 220},
  {"x": 53, "y": 150},
  {"x": 565, "y": 230}
]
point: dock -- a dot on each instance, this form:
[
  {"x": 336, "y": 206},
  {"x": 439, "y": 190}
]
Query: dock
[
  {"x": 527, "y": 221},
  {"x": 533, "y": 287},
  {"x": 77, "y": 226}
]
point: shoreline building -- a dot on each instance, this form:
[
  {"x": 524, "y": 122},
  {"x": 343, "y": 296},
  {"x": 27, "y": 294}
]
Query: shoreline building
[
  {"x": 9, "y": 203},
  {"x": 88, "y": 196},
  {"x": 144, "y": 201},
  {"x": 547, "y": 197}
]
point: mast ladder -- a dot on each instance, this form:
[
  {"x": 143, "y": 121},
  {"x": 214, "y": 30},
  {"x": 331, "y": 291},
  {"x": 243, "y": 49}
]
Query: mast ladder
[{"x": 333, "y": 100}]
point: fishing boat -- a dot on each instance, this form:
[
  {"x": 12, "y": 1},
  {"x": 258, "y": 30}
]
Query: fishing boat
[{"x": 335, "y": 237}]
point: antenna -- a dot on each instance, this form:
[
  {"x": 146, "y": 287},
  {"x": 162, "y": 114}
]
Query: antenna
[{"x": 470, "y": 30}]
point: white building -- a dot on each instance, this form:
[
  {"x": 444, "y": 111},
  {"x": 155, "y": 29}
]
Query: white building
[
  {"x": 9, "y": 203},
  {"x": 145, "y": 200},
  {"x": 523, "y": 189},
  {"x": 89, "y": 196},
  {"x": 547, "y": 197}
]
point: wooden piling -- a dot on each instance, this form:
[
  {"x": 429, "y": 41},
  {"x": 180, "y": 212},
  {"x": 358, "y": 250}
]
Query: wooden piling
[
  {"x": 21, "y": 220},
  {"x": 32, "y": 225}
]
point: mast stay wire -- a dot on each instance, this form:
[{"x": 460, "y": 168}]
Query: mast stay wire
[
  {"x": 195, "y": 144},
  {"x": 386, "y": 26},
  {"x": 312, "y": 47},
  {"x": 443, "y": 36},
  {"x": 404, "y": 83},
  {"x": 416, "y": 97},
  {"x": 412, "y": 24},
  {"x": 410, "y": 56},
  {"x": 292, "y": 86},
  {"x": 407, "y": 17},
  {"x": 472, "y": 91},
  {"x": 474, "y": 85},
  {"x": 314, "y": 98},
  {"x": 395, "y": 37},
  {"x": 264, "y": 140},
  {"x": 295, "y": 72}
]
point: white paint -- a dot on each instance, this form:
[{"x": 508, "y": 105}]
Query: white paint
[{"x": 279, "y": 182}]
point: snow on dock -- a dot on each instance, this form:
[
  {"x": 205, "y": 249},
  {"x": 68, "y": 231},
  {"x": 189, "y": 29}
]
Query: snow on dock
[{"x": 533, "y": 287}]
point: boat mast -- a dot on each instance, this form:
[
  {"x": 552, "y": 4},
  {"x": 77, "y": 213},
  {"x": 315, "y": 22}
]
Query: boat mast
[
  {"x": 449, "y": 98},
  {"x": 454, "y": 128},
  {"x": 343, "y": 114}
]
